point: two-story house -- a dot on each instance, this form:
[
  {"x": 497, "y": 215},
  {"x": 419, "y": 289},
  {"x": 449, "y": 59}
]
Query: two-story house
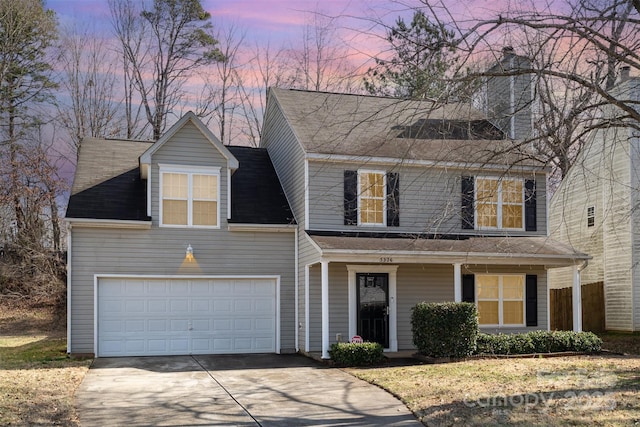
[
  {"x": 354, "y": 209},
  {"x": 596, "y": 209}
]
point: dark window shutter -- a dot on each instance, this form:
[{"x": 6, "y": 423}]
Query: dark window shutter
[
  {"x": 393, "y": 199},
  {"x": 467, "y": 203},
  {"x": 350, "y": 198},
  {"x": 531, "y": 299},
  {"x": 468, "y": 288},
  {"x": 530, "y": 218}
]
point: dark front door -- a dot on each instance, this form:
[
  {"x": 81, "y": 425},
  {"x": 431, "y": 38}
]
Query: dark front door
[{"x": 373, "y": 307}]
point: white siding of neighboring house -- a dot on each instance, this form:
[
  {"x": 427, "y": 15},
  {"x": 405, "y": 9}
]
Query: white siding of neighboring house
[
  {"x": 617, "y": 233},
  {"x": 635, "y": 217},
  {"x": 581, "y": 188},
  {"x": 603, "y": 177}
]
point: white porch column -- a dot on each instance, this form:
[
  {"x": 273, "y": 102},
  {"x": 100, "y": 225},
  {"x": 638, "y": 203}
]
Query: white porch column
[
  {"x": 577, "y": 300},
  {"x": 457, "y": 282},
  {"x": 325, "y": 308},
  {"x": 306, "y": 308}
]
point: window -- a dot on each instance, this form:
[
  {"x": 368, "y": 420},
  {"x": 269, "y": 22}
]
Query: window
[
  {"x": 591, "y": 216},
  {"x": 499, "y": 203},
  {"x": 500, "y": 299},
  {"x": 189, "y": 199},
  {"x": 372, "y": 198}
]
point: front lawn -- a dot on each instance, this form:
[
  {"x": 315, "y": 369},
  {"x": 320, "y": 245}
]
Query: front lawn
[
  {"x": 37, "y": 379},
  {"x": 580, "y": 390}
]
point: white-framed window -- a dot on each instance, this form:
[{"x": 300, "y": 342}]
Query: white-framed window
[
  {"x": 500, "y": 299},
  {"x": 189, "y": 196},
  {"x": 499, "y": 203},
  {"x": 372, "y": 197}
]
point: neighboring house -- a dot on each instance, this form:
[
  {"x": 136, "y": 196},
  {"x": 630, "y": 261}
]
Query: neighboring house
[
  {"x": 596, "y": 210},
  {"x": 355, "y": 209}
]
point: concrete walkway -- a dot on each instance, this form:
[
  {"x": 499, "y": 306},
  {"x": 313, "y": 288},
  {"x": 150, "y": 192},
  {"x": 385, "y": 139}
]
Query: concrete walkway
[{"x": 246, "y": 390}]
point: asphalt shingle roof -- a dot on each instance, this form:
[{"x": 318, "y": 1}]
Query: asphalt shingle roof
[
  {"x": 360, "y": 125},
  {"x": 256, "y": 194},
  {"x": 541, "y": 248},
  {"x": 107, "y": 185}
]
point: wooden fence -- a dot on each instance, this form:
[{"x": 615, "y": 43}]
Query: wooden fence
[{"x": 592, "y": 308}]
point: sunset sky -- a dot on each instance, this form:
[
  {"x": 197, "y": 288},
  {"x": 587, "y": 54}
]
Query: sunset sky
[{"x": 278, "y": 20}]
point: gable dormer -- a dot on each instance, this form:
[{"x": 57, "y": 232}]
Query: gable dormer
[{"x": 188, "y": 176}]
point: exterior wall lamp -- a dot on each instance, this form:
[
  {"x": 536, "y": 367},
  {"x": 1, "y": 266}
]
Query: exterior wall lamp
[{"x": 189, "y": 255}]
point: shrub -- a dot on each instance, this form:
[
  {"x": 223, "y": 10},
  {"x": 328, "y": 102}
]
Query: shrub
[
  {"x": 445, "y": 329},
  {"x": 356, "y": 354},
  {"x": 538, "y": 342}
]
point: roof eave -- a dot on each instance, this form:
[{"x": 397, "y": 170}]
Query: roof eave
[
  {"x": 145, "y": 158},
  {"x": 395, "y": 256},
  {"x": 344, "y": 158},
  {"x": 108, "y": 223}
]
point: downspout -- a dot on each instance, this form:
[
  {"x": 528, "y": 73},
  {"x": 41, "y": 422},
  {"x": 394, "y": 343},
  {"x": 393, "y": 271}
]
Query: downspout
[
  {"x": 68, "y": 288},
  {"x": 296, "y": 273}
]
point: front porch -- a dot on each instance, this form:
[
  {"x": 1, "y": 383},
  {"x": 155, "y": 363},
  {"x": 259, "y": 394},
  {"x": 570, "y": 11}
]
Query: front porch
[{"x": 370, "y": 293}]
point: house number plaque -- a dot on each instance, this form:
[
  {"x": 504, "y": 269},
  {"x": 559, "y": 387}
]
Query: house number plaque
[{"x": 386, "y": 259}]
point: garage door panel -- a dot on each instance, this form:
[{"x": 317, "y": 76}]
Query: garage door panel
[
  {"x": 157, "y": 325},
  {"x": 178, "y": 305},
  {"x": 201, "y": 305},
  {"x": 134, "y": 326},
  {"x": 156, "y": 317},
  {"x": 157, "y": 306},
  {"x": 134, "y": 288}
]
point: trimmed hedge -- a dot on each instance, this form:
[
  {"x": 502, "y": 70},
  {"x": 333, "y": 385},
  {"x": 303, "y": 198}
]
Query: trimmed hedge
[
  {"x": 538, "y": 342},
  {"x": 356, "y": 354},
  {"x": 445, "y": 329}
]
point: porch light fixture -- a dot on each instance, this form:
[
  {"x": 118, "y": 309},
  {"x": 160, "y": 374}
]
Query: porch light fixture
[{"x": 189, "y": 253}]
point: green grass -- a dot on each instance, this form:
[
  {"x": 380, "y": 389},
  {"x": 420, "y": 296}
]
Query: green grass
[{"x": 39, "y": 353}]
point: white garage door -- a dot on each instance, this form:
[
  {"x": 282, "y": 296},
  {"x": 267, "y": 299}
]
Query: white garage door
[{"x": 143, "y": 317}]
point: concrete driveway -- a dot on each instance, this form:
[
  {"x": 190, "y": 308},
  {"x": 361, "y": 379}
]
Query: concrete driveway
[{"x": 246, "y": 390}]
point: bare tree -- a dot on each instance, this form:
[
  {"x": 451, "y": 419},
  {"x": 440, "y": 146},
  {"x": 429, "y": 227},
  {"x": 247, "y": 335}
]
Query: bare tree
[
  {"x": 270, "y": 68},
  {"x": 322, "y": 59},
  {"x": 162, "y": 46},
  {"x": 89, "y": 77},
  {"x": 222, "y": 83},
  {"x": 573, "y": 60}
]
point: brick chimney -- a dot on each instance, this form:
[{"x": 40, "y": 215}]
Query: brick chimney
[{"x": 624, "y": 73}]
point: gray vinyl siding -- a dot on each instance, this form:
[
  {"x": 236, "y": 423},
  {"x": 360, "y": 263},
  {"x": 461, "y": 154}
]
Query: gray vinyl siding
[
  {"x": 308, "y": 255},
  {"x": 287, "y": 157},
  {"x": 419, "y": 283},
  {"x": 162, "y": 251},
  {"x": 430, "y": 199}
]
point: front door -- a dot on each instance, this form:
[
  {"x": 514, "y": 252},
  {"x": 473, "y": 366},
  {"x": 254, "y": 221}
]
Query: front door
[{"x": 373, "y": 307}]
